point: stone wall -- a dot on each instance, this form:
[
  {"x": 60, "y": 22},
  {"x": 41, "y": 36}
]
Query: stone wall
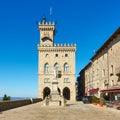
[{"x": 18, "y": 103}]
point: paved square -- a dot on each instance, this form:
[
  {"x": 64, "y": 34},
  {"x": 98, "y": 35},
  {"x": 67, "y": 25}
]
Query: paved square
[{"x": 74, "y": 111}]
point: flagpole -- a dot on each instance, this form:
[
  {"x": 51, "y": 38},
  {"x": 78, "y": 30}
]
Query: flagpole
[{"x": 51, "y": 14}]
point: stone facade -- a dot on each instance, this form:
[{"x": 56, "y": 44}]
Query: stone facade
[
  {"x": 55, "y": 57},
  {"x": 103, "y": 72}
]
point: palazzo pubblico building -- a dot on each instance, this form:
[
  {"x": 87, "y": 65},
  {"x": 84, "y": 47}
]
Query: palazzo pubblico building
[{"x": 53, "y": 58}]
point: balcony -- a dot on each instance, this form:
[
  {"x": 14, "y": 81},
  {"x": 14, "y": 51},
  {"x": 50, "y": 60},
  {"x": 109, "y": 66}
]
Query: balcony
[{"x": 117, "y": 71}]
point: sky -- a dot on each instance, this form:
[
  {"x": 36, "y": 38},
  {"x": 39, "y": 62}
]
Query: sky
[{"x": 88, "y": 23}]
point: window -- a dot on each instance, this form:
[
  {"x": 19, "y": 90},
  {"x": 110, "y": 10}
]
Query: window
[
  {"x": 97, "y": 72},
  {"x": 66, "y": 80},
  {"x": 47, "y": 80},
  {"x": 56, "y": 66},
  {"x": 112, "y": 82},
  {"x": 66, "y": 67},
  {"x": 46, "y": 67},
  {"x": 66, "y": 55},
  {"x": 103, "y": 57},
  {"x": 56, "y": 55},
  {"x": 112, "y": 68},
  {"x": 111, "y": 49},
  {"x": 103, "y": 72},
  {"x": 46, "y": 55}
]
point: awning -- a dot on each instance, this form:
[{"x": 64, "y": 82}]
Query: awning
[
  {"x": 114, "y": 90},
  {"x": 93, "y": 90}
]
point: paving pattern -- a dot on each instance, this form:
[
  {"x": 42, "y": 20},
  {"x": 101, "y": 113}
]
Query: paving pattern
[{"x": 73, "y": 111}]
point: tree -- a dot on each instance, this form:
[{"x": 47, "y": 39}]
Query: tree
[{"x": 5, "y": 98}]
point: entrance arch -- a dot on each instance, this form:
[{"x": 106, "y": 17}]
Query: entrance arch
[
  {"x": 66, "y": 93},
  {"x": 46, "y": 92}
]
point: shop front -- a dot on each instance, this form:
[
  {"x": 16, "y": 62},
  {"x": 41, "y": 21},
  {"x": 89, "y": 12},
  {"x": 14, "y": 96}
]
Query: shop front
[{"x": 111, "y": 95}]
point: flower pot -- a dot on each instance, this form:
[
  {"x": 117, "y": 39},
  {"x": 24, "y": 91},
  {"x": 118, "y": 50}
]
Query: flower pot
[{"x": 94, "y": 103}]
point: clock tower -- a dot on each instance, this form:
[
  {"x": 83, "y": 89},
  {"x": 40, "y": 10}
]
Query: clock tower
[
  {"x": 47, "y": 32},
  {"x": 51, "y": 57}
]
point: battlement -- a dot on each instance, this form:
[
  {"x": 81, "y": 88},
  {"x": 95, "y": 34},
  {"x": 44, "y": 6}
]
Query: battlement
[
  {"x": 46, "y": 23},
  {"x": 64, "y": 45},
  {"x": 57, "y": 45}
]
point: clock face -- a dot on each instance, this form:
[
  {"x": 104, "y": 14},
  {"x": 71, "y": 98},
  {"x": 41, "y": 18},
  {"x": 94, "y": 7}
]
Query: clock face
[{"x": 46, "y": 34}]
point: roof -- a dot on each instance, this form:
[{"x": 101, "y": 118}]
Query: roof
[{"x": 107, "y": 42}]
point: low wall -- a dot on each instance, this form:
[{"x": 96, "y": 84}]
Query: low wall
[{"x": 18, "y": 103}]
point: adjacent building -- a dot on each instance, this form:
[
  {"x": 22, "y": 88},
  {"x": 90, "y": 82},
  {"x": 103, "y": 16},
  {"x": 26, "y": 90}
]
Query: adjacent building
[
  {"x": 102, "y": 73},
  {"x": 55, "y": 57}
]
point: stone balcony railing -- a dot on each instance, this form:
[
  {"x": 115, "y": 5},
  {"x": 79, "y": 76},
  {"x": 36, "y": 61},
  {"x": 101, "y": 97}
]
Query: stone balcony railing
[{"x": 117, "y": 71}]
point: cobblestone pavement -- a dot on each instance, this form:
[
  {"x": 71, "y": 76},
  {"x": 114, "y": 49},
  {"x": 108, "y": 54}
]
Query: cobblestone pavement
[{"x": 73, "y": 111}]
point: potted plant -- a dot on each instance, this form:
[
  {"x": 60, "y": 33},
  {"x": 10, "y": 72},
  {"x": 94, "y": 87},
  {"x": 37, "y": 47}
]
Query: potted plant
[
  {"x": 102, "y": 102},
  {"x": 94, "y": 100}
]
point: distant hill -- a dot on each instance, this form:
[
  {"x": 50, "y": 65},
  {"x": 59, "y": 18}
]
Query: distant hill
[
  {"x": 16, "y": 98},
  {"x": 0, "y": 98}
]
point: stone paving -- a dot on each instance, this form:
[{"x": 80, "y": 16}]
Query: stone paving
[{"x": 73, "y": 111}]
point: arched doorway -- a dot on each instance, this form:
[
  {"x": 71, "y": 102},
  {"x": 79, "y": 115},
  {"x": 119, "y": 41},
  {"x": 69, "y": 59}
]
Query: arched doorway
[
  {"x": 66, "y": 93},
  {"x": 46, "y": 92}
]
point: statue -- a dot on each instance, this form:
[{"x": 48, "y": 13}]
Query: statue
[{"x": 55, "y": 73}]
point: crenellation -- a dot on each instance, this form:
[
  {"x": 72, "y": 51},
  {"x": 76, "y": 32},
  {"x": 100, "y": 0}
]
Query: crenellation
[
  {"x": 64, "y": 45},
  {"x": 61, "y": 44},
  {"x": 75, "y": 45},
  {"x": 45, "y": 23}
]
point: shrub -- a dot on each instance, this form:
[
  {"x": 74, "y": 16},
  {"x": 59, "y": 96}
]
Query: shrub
[
  {"x": 102, "y": 101},
  {"x": 95, "y": 99}
]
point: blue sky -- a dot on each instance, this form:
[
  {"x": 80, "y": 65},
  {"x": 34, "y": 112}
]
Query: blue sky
[{"x": 88, "y": 23}]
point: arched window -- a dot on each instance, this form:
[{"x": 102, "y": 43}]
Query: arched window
[
  {"x": 66, "y": 67},
  {"x": 46, "y": 67},
  {"x": 56, "y": 66}
]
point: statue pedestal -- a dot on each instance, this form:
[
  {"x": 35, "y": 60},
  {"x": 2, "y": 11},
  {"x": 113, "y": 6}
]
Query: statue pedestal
[
  {"x": 54, "y": 85},
  {"x": 54, "y": 96},
  {"x": 55, "y": 99}
]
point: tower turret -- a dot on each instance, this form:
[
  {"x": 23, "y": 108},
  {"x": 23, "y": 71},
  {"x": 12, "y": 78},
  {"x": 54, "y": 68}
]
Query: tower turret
[{"x": 47, "y": 32}]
